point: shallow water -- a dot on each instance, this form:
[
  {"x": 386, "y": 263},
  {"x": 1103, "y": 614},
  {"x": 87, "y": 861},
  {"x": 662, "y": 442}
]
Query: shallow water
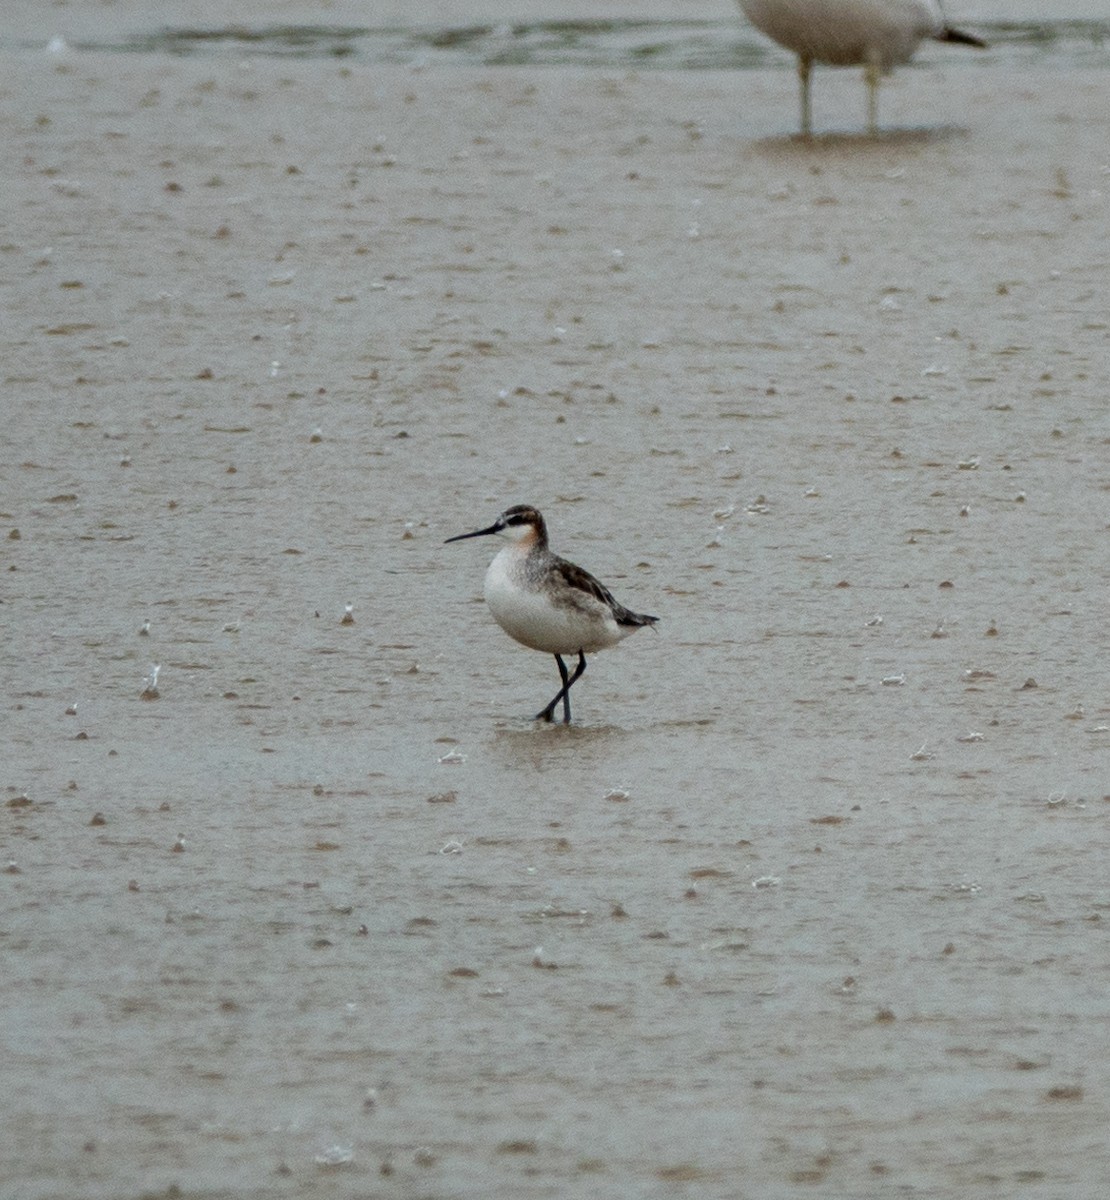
[
  {"x": 813, "y": 894},
  {"x": 601, "y": 43}
]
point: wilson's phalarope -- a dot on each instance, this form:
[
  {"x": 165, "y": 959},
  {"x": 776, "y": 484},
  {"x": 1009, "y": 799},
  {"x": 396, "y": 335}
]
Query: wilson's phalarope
[
  {"x": 547, "y": 603},
  {"x": 874, "y": 34}
]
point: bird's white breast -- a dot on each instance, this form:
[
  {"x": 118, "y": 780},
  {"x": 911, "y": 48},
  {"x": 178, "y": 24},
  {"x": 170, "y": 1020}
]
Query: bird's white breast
[{"x": 529, "y": 609}]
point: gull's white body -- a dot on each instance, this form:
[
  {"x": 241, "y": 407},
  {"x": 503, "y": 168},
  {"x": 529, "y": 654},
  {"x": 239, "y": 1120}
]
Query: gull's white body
[{"x": 848, "y": 33}]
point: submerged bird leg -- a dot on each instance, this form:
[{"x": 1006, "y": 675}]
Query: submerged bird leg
[
  {"x": 548, "y": 714},
  {"x": 871, "y": 73},
  {"x": 805, "y": 72}
]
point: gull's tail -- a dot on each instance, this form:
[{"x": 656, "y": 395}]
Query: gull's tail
[{"x": 948, "y": 34}]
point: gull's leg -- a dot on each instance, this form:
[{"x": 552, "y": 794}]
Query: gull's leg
[
  {"x": 871, "y": 74},
  {"x": 805, "y": 71}
]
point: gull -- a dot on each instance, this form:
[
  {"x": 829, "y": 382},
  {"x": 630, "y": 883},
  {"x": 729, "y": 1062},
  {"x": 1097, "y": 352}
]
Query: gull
[{"x": 877, "y": 35}]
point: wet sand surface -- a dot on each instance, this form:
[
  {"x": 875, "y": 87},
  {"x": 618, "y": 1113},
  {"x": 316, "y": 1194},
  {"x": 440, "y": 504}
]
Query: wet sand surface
[{"x": 812, "y": 898}]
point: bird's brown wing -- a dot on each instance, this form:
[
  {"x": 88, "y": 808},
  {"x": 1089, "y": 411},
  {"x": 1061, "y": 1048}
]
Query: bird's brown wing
[{"x": 580, "y": 581}]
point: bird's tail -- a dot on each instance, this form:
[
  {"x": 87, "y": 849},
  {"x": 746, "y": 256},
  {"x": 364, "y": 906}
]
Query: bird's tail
[
  {"x": 635, "y": 620},
  {"x": 948, "y": 34}
]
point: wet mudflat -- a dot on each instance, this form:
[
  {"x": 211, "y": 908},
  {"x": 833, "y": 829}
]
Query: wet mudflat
[{"x": 814, "y": 890}]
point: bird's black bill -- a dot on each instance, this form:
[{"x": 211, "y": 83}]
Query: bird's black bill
[{"x": 496, "y": 527}]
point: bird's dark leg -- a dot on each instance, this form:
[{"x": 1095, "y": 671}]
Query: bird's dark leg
[
  {"x": 570, "y": 683},
  {"x": 563, "y": 693},
  {"x": 548, "y": 714}
]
